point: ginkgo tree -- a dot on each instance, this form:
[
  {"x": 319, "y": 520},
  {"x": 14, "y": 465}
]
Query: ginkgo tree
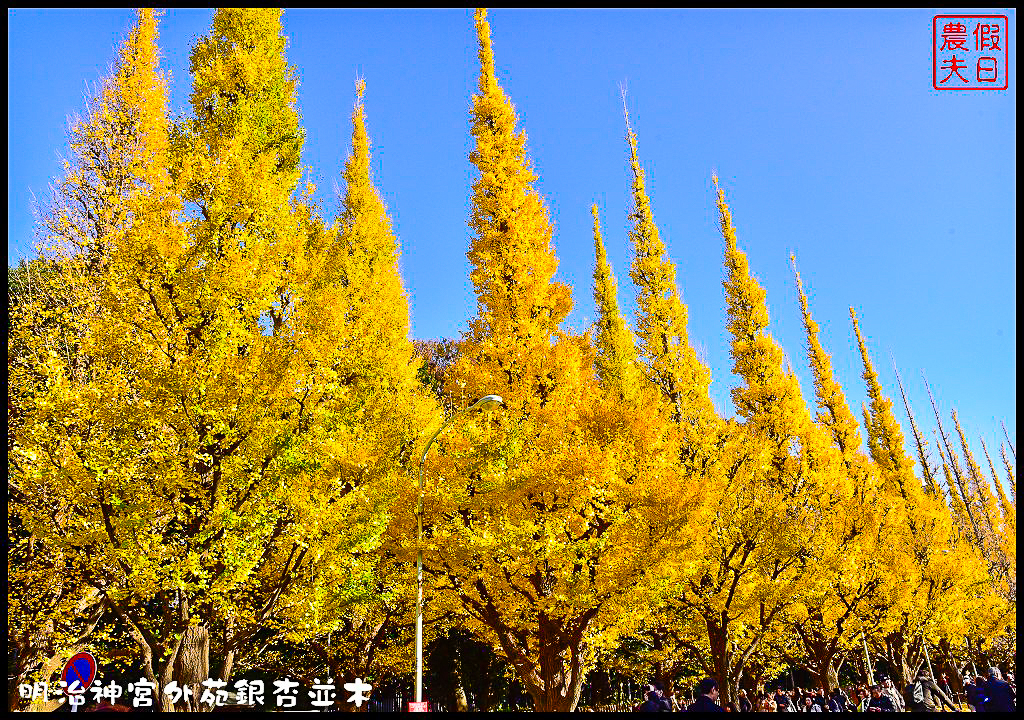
[
  {"x": 939, "y": 582},
  {"x": 856, "y": 569},
  {"x": 541, "y": 516},
  {"x": 360, "y": 620},
  {"x": 775, "y": 502},
  {"x": 218, "y": 448}
]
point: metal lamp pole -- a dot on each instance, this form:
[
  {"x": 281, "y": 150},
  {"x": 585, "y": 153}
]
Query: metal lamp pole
[
  {"x": 931, "y": 673},
  {"x": 867, "y": 658},
  {"x": 487, "y": 401}
]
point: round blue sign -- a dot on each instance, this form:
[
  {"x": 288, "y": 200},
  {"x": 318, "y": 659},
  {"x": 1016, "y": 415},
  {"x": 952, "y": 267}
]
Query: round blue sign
[{"x": 80, "y": 671}]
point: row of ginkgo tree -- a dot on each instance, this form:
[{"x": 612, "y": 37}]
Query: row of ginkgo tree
[{"x": 216, "y": 413}]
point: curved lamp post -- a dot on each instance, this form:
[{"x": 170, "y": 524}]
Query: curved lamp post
[{"x": 484, "y": 403}]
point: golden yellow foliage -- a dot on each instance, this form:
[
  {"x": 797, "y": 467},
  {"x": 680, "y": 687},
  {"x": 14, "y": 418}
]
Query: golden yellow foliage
[
  {"x": 541, "y": 515},
  {"x": 223, "y": 428},
  {"x": 216, "y": 408},
  {"x": 615, "y": 351}
]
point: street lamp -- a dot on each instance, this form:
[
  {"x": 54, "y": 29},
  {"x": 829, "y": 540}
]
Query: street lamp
[{"x": 484, "y": 403}]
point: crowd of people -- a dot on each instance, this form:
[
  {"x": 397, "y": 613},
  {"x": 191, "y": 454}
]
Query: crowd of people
[{"x": 987, "y": 692}]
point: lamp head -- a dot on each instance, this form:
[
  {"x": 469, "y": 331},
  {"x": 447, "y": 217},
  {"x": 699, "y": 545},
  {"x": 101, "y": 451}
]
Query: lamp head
[{"x": 487, "y": 402}]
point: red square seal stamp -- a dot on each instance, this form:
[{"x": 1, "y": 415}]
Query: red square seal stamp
[{"x": 970, "y": 52}]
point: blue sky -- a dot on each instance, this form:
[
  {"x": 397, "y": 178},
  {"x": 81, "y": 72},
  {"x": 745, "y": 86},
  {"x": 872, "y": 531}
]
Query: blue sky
[{"x": 824, "y": 127}]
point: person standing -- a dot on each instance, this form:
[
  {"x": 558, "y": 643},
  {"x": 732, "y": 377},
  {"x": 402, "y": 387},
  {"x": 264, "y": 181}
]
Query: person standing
[
  {"x": 945, "y": 686},
  {"x": 809, "y": 705},
  {"x": 783, "y": 702},
  {"x": 707, "y": 697},
  {"x": 838, "y": 702},
  {"x": 1000, "y": 697},
  {"x": 655, "y": 702},
  {"x": 879, "y": 702},
  {"x": 655, "y": 694},
  {"x": 890, "y": 691},
  {"x": 976, "y": 694},
  {"x": 863, "y": 698},
  {"x": 745, "y": 705},
  {"x": 818, "y": 698}
]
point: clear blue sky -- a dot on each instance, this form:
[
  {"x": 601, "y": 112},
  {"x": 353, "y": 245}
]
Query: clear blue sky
[{"x": 824, "y": 127}]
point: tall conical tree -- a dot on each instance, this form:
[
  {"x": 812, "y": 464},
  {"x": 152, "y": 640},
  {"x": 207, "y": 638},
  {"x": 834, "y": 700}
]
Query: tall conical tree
[
  {"x": 769, "y": 399},
  {"x": 554, "y": 562},
  {"x": 1007, "y": 539},
  {"x": 678, "y": 383},
  {"x": 859, "y": 561},
  {"x": 369, "y": 443},
  {"x": 766, "y": 474},
  {"x": 615, "y": 359},
  {"x": 959, "y": 486},
  {"x": 368, "y": 256},
  {"x": 998, "y": 545},
  {"x": 519, "y": 304},
  {"x": 213, "y": 350},
  {"x": 114, "y": 183},
  {"x": 919, "y": 442},
  {"x": 661, "y": 319},
  {"x": 835, "y": 412},
  {"x": 1009, "y": 471},
  {"x": 1008, "y": 511},
  {"x": 935, "y": 581},
  {"x": 886, "y": 445},
  {"x": 673, "y": 378},
  {"x": 957, "y": 508},
  {"x": 980, "y": 492},
  {"x": 886, "y": 440},
  {"x": 237, "y": 160}
]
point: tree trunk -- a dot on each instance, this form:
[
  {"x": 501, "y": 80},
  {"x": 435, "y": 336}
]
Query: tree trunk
[
  {"x": 902, "y": 666},
  {"x": 561, "y": 681},
  {"x": 189, "y": 666},
  {"x": 554, "y": 682},
  {"x": 826, "y": 676},
  {"x": 226, "y": 666},
  {"x": 721, "y": 657},
  {"x": 600, "y": 687},
  {"x": 50, "y": 666},
  {"x": 976, "y": 655},
  {"x": 458, "y": 686},
  {"x": 461, "y": 704},
  {"x": 488, "y": 693},
  {"x": 946, "y": 663},
  {"x": 753, "y": 683},
  {"x": 92, "y": 607}
]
